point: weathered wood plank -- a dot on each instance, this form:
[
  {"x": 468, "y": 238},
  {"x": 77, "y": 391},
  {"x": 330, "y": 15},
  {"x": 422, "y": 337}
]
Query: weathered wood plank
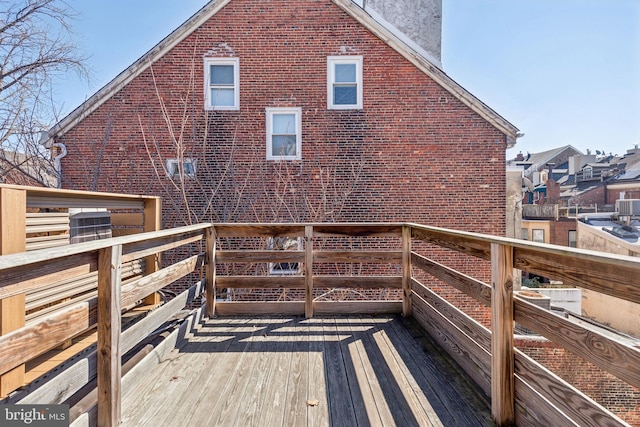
[
  {"x": 475, "y": 361},
  {"x": 467, "y": 284},
  {"x": 357, "y": 307},
  {"x": 24, "y": 344},
  {"x": 210, "y": 271},
  {"x": 13, "y": 226},
  {"x": 341, "y": 399},
  {"x": 14, "y": 261},
  {"x": 236, "y": 308},
  {"x": 256, "y": 282},
  {"x": 153, "y": 246},
  {"x": 474, "y": 330},
  {"x": 318, "y": 409},
  {"x": 308, "y": 271},
  {"x": 152, "y": 223},
  {"x": 260, "y": 256},
  {"x": 502, "y": 348},
  {"x": 361, "y": 282},
  {"x": 448, "y": 398},
  {"x": 296, "y": 397},
  {"x": 359, "y": 230},
  {"x": 259, "y": 230},
  {"x": 119, "y": 232},
  {"x": 127, "y": 219},
  {"x": 468, "y": 243},
  {"x": 371, "y": 383},
  {"x": 406, "y": 271},
  {"x": 141, "y": 329},
  {"x": 533, "y": 410},
  {"x": 246, "y": 352},
  {"x": 357, "y": 256},
  {"x": 26, "y": 278},
  {"x": 576, "y": 405},
  {"x": 610, "y": 274},
  {"x": 598, "y": 273},
  {"x": 618, "y": 358},
  {"x": 109, "y": 325},
  {"x": 140, "y": 288}
]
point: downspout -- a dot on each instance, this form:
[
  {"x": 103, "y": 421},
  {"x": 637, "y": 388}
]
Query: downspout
[{"x": 56, "y": 161}]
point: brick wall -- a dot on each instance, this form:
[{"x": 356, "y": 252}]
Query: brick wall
[
  {"x": 414, "y": 152},
  {"x": 560, "y": 230}
]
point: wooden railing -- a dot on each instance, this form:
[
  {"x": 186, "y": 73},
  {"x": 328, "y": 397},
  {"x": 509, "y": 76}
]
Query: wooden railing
[
  {"x": 23, "y": 272},
  {"x": 33, "y": 218},
  {"x": 362, "y": 260}
]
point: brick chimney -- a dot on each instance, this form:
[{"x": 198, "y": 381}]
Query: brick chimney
[{"x": 419, "y": 20}]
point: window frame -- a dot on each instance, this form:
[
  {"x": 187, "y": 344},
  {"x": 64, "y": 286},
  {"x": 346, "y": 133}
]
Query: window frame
[
  {"x": 344, "y": 59},
  {"x": 275, "y": 268},
  {"x": 269, "y": 114},
  {"x": 536, "y": 233},
  {"x": 173, "y": 167},
  {"x": 208, "y": 62}
]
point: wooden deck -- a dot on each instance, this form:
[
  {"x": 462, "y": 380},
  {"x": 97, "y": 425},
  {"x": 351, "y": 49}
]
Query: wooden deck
[{"x": 292, "y": 371}]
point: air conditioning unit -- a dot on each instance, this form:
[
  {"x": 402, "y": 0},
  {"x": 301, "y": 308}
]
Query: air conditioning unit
[
  {"x": 87, "y": 225},
  {"x": 628, "y": 207}
]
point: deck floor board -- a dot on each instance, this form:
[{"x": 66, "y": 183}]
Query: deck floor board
[{"x": 291, "y": 371}]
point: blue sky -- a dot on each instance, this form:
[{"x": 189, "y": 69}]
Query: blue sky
[{"x": 562, "y": 71}]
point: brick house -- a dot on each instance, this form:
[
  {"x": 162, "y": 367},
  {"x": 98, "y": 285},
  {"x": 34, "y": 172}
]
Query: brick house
[{"x": 313, "y": 110}]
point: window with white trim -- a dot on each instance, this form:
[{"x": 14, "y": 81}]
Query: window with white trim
[
  {"x": 284, "y": 244},
  {"x": 284, "y": 134},
  {"x": 344, "y": 82},
  {"x": 222, "y": 83},
  {"x": 537, "y": 235},
  {"x": 177, "y": 169}
]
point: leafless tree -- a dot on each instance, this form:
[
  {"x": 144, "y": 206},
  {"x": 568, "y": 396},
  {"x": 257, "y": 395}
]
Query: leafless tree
[{"x": 35, "y": 46}]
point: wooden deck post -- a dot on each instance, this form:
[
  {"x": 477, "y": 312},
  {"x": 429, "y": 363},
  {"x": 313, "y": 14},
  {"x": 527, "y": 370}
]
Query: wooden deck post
[
  {"x": 13, "y": 239},
  {"x": 308, "y": 271},
  {"x": 210, "y": 271},
  {"x": 406, "y": 271},
  {"x": 152, "y": 222},
  {"x": 109, "y": 326},
  {"x": 502, "y": 351}
]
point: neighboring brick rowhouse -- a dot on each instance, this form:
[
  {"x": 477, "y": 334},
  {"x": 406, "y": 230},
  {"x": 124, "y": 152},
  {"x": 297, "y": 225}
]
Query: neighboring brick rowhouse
[
  {"x": 560, "y": 230},
  {"x": 612, "y": 393},
  {"x": 414, "y": 152}
]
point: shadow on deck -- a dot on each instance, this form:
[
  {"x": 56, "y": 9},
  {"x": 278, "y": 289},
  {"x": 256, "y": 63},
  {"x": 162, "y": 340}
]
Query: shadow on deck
[{"x": 356, "y": 370}]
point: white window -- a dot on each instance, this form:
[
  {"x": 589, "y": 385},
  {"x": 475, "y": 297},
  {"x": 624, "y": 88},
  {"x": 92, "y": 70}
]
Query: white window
[
  {"x": 187, "y": 168},
  {"x": 284, "y": 244},
  {"x": 344, "y": 82},
  {"x": 524, "y": 234},
  {"x": 222, "y": 83},
  {"x": 573, "y": 239},
  {"x": 284, "y": 135},
  {"x": 537, "y": 235}
]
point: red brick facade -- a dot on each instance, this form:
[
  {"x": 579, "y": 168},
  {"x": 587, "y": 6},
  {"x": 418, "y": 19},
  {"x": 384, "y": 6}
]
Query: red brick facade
[{"x": 413, "y": 153}]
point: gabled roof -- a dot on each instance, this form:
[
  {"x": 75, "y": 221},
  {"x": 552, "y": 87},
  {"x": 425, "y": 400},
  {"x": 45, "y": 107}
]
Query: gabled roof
[
  {"x": 537, "y": 160},
  {"x": 387, "y": 35}
]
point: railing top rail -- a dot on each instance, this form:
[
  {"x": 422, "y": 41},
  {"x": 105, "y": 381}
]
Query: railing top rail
[
  {"x": 546, "y": 248},
  {"x": 92, "y": 195},
  {"x": 25, "y": 258}
]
